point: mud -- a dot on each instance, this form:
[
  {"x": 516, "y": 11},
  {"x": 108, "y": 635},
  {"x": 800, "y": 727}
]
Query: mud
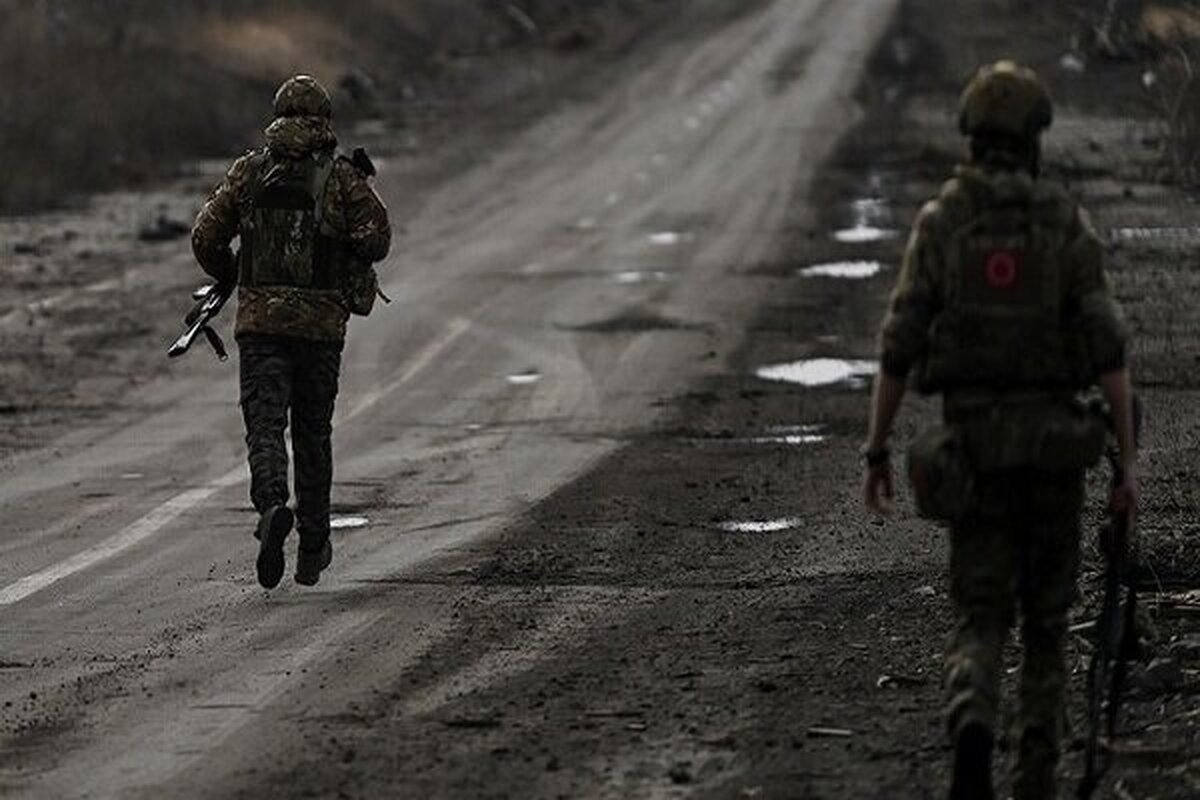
[
  {"x": 707, "y": 612},
  {"x": 764, "y": 638}
]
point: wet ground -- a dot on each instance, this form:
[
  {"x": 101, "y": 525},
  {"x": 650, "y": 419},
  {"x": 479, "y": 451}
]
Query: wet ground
[{"x": 694, "y": 604}]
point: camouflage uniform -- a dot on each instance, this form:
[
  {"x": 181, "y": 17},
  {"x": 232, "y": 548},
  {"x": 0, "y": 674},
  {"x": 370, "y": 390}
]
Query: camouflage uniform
[
  {"x": 290, "y": 331},
  {"x": 1019, "y": 545}
]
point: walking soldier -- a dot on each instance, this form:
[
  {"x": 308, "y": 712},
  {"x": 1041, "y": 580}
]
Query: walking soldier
[{"x": 1003, "y": 307}]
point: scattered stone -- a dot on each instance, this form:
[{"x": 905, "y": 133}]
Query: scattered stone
[
  {"x": 925, "y": 591},
  {"x": 681, "y": 774},
  {"x": 164, "y": 229},
  {"x": 1070, "y": 62},
  {"x": 1160, "y": 676},
  {"x": 1186, "y": 648}
]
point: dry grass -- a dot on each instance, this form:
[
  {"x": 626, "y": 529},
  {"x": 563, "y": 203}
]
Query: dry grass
[
  {"x": 95, "y": 95},
  {"x": 1172, "y": 32}
]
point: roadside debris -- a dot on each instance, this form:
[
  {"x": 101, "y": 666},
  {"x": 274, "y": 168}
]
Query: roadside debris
[{"x": 164, "y": 229}]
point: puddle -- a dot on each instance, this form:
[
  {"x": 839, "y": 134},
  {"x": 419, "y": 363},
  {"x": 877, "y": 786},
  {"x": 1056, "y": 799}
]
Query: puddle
[
  {"x": 864, "y": 234},
  {"x": 634, "y": 276},
  {"x": 793, "y": 435},
  {"x": 132, "y": 476},
  {"x": 474, "y": 427},
  {"x": 820, "y": 372},
  {"x": 587, "y": 224},
  {"x": 871, "y": 216},
  {"x": 1177, "y": 234},
  {"x": 524, "y": 378},
  {"x": 666, "y": 238},
  {"x": 848, "y": 270},
  {"x": 761, "y": 526},
  {"x": 348, "y": 523}
]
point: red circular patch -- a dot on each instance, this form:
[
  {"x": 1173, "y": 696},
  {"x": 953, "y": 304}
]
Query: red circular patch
[{"x": 1001, "y": 270}]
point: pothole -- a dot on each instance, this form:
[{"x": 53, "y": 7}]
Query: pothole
[
  {"x": 761, "y": 526},
  {"x": 634, "y": 322},
  {"x": 846, "y": 270},
  {"x": 820, "y": 372}
]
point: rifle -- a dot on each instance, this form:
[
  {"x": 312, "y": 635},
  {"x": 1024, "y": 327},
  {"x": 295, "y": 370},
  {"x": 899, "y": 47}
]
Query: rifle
[
  {"x": 1116, "y": 631},
  {"x": 209, "y": 302}
]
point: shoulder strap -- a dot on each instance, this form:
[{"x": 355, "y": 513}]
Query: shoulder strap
[{"x": 320, "y": 186}]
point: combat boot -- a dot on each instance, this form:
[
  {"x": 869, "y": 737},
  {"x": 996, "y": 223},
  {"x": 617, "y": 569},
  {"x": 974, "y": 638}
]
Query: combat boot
[
  {"x": 973, "y": 764},
  {"x": 310, "y": 563},
  {"x": 273, "y": 528}
]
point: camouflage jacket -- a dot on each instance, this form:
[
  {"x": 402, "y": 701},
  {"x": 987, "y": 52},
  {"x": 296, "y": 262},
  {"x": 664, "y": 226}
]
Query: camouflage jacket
[
  {"x": 352, "y": 211},
  {"x": 1089, "y": 312}
]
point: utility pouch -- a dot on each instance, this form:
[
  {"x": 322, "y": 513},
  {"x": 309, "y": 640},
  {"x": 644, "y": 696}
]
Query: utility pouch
[
  {"x": 1044, "y": 437},
  {"x": 1071, "y": 438},
  {"x": 941, "y": 475}
]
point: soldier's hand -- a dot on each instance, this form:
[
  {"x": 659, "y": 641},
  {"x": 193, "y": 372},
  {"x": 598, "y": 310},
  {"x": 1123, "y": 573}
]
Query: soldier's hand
[
  {"x": 1125, "y": 499},
  {"x": 877, "y": 489}
]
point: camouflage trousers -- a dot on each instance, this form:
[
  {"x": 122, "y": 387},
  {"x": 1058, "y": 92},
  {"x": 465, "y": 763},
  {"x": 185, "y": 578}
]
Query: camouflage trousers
[
  {"x": 1018, "y": 551},
  {"x": 282, "y": 377}
]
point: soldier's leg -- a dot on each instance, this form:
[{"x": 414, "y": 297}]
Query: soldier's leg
[
  {"x": 983, "y": 586},
  {"x": 314, "y": 397},
  {"x": 983, "y": 591},
  {"x": 1048, "y": 588},
  {"x": 266, "y": 383}
]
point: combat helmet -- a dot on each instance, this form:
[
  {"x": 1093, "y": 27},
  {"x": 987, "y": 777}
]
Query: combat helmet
[
  {"x": 302, "y": 96},
  {"x": 1005, "y": 99}
]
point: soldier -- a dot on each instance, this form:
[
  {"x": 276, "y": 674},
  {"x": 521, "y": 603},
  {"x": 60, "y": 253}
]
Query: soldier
[
  {"x": 305, "y": 218},
  {"x": 1003, "y": 306}
]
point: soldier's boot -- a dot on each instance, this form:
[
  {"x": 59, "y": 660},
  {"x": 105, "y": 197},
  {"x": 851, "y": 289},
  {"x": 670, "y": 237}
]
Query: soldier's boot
[
  {"x": 273, "y": 528},
  {"x": 1037, "y": 760},
  {"x": 972, "y": 763},
  {"x": 310, "y": 563}
]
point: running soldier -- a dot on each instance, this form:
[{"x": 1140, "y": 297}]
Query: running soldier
[
  {"x": 1003, "y": 307},
  {"x": 305, "y": 219}
]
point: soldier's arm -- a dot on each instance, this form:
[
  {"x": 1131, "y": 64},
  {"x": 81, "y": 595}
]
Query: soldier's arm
[
  {"x": 362, "y": 215},
  {"x": 1091, "y": 299},
  {"x": 1105, "y": 334},
  {"x": 903, "y": 340},
  {"x": 915, "y": 301},
  {"x": 217, "y": 225}
]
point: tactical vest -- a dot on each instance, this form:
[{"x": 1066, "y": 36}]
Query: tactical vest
[
  {"x": 282, "y": 243},
  {"x": 1003, "y": 326}
]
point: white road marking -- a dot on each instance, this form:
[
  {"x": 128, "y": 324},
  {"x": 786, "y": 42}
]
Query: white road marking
[
  {"x": 162, "y": 516},
  {"x": 138, "y": 532}
]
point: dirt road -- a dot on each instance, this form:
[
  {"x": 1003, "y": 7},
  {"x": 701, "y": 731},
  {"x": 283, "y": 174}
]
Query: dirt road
[{"x": 550, "y": 296}]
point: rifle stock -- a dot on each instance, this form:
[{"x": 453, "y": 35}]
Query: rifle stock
[
  {"x": 1116, "y": 629},
  {"x": 209, "y": 302}
]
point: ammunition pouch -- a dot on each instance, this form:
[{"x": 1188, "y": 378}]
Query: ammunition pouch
[{"x": 941, "y": 474}]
